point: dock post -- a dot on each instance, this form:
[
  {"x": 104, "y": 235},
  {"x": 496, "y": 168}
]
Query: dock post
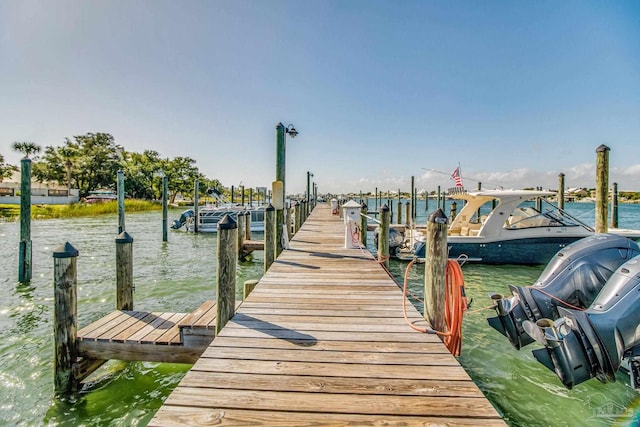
[
  {"x": 614, "y": 206},
  {"x": 478, "y": 211},
  {"x": 241, "y": 233},
  {"x": 226, "y": 280},
  {"x": 287, "y": 221},
  {"x": 242, "y": 195},
  {"x": 399, "y": 208},
  {"x": 196, "y": 204},
  {"x": 454, "y": 210},
  {"x": 247, "y": 225},
  {"x": 165, "y": 189},
  {"x": 438, "y": 206},
  {"x": 435, "y": 270},
  {"x": 65, "y": 322},
  {"x": 407, "y": 213},
  {"x": 376, "y": 199},
  {"x": 383, "y": 235},
  {"x": 561, "y": 191},
  {"x": 251, "y": 197},
  {"x": 233, "y": 194},
  {"x": 364, "y": 210},
  {"x": 124, "y": 271},
  {"x": 25, "y": 251},
  {"x": 602, "y": 187},
  {"x": 413, "y": 197},
  {"x": 269, "y": 236},
  {"x": 120, "y": 192},
  {"x": 248, "y": 287},
  {"x": 296, "y": 216}
]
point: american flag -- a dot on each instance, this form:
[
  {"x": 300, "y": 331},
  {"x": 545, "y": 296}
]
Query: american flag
[{"x": 456, "y": 177}]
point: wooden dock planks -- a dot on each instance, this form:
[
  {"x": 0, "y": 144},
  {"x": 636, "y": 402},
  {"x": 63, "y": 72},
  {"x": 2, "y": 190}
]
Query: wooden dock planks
[{"x": 322, "y": 341}]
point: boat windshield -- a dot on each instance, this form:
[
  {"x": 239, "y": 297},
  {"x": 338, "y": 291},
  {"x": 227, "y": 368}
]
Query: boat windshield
[{"x": 529, "y": 217}]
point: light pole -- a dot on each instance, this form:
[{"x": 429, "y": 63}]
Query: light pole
[
  {"x": 309, "y": 175},
  {"x": 281, "y": 131}
]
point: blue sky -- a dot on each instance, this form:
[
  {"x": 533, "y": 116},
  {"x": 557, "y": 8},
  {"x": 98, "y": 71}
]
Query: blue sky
[{"x": 516, "y": 92}]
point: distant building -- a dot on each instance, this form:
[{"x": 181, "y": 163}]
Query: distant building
[{"x": 47, "y": 193}]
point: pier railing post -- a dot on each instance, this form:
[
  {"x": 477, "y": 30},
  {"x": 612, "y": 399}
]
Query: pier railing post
[
  {"x": 65, "y": 320},
  {"x": 364, "y": 210},
  {"x": 435, "y": 270},
  {"x": 25, "y": 250},
  {"x": 241, "y": 224},
  {"x": 269, "y": 236},
  {"x": 120, "y": 193},
  {"x": 614, "y": 206},
  {"x": 124, "y": 272},
  {"x": 247, "y": 225},
  {"x": 287, "y": 221},
  {"x": 602, "y": 187},
  {"x": 196, "y": 205},
  {"x": 165, "y": 190},
  {"x": 407, "y": 211},
  {"x": 296, "y": 217},
  {"x": 383, "y": 235},
  {"x": 226, "y": 280},
  {"x": 561, "y": 191}
]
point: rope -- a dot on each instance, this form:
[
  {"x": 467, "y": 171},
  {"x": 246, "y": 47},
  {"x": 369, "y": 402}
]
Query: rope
[
  {"x": 455, "y": 306},
  {"x": 556, "y": 298}
]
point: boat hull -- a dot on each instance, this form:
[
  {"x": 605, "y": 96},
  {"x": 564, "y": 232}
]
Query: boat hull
[{"x": 529, "y": 251}]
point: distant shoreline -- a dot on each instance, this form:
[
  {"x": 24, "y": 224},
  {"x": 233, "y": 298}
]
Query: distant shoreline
[{"x": 10, "y": 213}]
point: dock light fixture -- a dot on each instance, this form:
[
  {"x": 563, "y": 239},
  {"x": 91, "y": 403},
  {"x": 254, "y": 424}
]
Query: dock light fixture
[{"x": 291, "y": 131}]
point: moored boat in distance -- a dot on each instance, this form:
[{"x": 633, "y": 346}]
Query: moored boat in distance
[
  {"x": 505, "y": 227},
  {"x": 100, "y": 196},
  {"x": 210, "y": 215}
]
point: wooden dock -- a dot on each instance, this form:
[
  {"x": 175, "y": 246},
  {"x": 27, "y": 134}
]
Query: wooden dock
[{"x": 322, "y": 341}]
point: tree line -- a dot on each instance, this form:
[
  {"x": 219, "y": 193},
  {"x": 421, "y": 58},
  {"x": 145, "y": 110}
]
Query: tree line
[{"x": 90, "y": 162}]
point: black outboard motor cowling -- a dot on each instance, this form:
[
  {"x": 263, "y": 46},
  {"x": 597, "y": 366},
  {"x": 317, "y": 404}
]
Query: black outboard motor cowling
[
  {"x": 575, "y": 275},
  {"x": 592, "y": 343}
]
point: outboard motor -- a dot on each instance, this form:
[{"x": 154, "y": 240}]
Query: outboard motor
[
  {"x": 396, "y": 240},
  {"x": 573, "y": 278},
  {"x": 177, "y": 223},
  {"x": 592, "y": 343}
]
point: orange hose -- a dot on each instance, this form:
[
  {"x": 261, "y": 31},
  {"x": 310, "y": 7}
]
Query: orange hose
[{"x": 455, "y": 306}]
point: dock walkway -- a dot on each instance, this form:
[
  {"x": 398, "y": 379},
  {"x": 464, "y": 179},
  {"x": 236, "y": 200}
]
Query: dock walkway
[{"x": 321, "y": 340}]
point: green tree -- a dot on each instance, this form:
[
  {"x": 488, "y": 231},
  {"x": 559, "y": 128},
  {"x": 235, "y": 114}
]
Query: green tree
[
  {"x": 6, "y": 170},
  {"x": 138, "y": 173},
  {"x": 181, "y": 173},
  {"x": 98, "y": 160},
  {"x": 26, "y": 148}
]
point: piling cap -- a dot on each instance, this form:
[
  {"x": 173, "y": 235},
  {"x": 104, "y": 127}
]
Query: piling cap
[
  {"x": 438, "y": 217},
  {"x": 270, "y": 208},
  {"x": 384, "y": 208},
  {"x": 65, "y": 250},
  {"x": 227, "y": 223},
  {"x": 124, "y": 237},
  {"x": 602, "y": 148},
  {"x": 363, "y": 205}
]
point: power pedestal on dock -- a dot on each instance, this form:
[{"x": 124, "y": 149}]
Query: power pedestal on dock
[{"x": 351, "y": 215}]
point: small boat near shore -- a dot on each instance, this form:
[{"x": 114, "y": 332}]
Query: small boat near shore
[
  {"x": 506, "y": 227},
  {"x": 210, "y": 215}
]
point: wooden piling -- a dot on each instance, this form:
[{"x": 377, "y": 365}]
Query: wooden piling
[
  {"x": 248, "y": 286},
  {"x": 438, "y": 200},
  {"x": 65, "y": 322},
  {"x": 279, "y": 232},
  {"x": 25, "y": 247},
  {"x": 383, "y": 235},
  {"x": 247, "y": 225},
  {"x": 407, "y": 212},
  {"x": 561, "y": 191},
  {"x": 233, "y": 194},
  {"x": 364, "y": 210},
  {"x": 124, "y": 271},
  {"x": 435, "y": 270},
  {"x": 196, "y": 205},
  {"x": 287, "y": 222},
  {"x": 296, "y": 216},
  {"x": 399, "y": 208},
  {"x": 120, "y": 192},
  {"x": 614, "y": 206},
  {"x": 165, "y": 190},
  {"x": 226, "y": 279},
  {"x": 269, "y": 236},
  {"x": 242, "y": 195},
  {"x": 454, "y": 211},
  {"x": 602, "y": 188},
  {"x": 241, "y": 224},
  {"x": 413, "y": 197}
]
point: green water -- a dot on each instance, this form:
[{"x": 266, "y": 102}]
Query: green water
[{"x": 179, "y": 275}]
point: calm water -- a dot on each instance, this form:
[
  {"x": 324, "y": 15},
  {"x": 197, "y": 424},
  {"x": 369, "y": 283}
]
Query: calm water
[{"x": 180, "y": 274}]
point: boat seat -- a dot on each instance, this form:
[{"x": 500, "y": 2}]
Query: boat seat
[{"x": 464, "y": 231}]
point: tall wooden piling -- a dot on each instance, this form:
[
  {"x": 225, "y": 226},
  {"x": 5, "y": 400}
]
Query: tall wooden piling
[
  {"x": 454, "y": 210},
  {"x": 296, "y": 216},
  {"x": 120, "y": 193},
  {"x": 399, "y": 208},
  {"x": 247, "y": 225},
  {"x": 407, "y": 211},
  {"x": 242, "y": 195},
  {"x": 269, "y": 236},
  {"x": 435, "y": 270},
  {"x": 287, "y": 222},
  {"x": 364, "y": 211},
  {"x": 165, "y": 190},
  {"x": 124, "y": 271},
  {"x": 561, "y": 191},
  {"x": 614, "y": 206},
  {"x": 383, "y": 235},
  {"x": 65, "y": 321},
  {"x": 196, "y": 205},
  {"x": 439, "y": 199},
  {"x": 413, "y": 197},
  {"x": 241, "y": 224},
  {"x": 226, "y": 279},
  {"x": 602, "y": 187},
  {"x": 25, "y": 251},
  {"x": 233, "y": 194}
]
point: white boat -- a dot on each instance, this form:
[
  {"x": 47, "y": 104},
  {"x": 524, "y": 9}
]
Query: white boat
[
  {"x": 210, "y": 215},
  {"x": 504, "y": 227},
  {"x": 101, "y": 196}
]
